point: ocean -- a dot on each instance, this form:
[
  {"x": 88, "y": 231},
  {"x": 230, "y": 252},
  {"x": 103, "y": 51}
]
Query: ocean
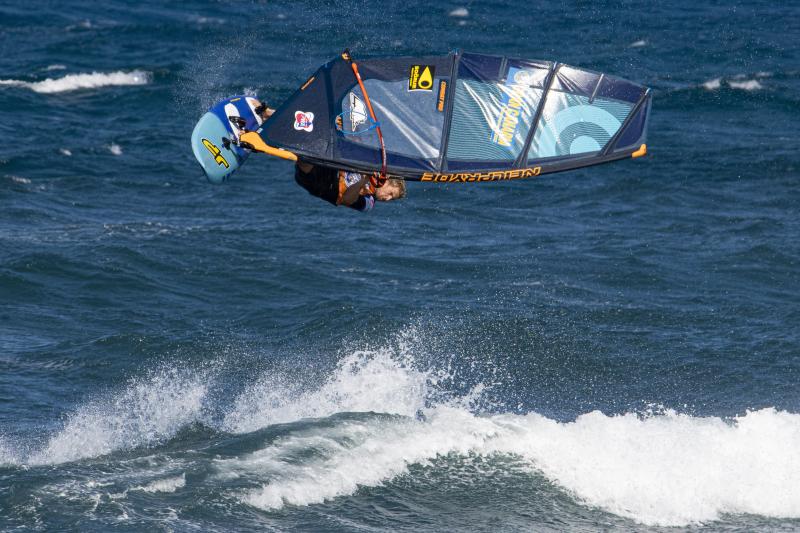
[{"x": 615, "y": 348}]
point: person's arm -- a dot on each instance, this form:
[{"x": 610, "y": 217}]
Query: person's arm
[
  {"x": 351, "y": 194},
  {"x": 364, "y": 203}
]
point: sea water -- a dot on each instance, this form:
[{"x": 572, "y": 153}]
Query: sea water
[{"x": 615, "y": 348}]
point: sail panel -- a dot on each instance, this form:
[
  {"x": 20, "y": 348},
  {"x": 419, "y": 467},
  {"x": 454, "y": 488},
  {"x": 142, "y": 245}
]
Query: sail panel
[
  {"x": 493, "y": 111},
  {"x": 635, "y": 131},
  {"x": 411, "y": 123},
  {"x": 572, "y": 124}
]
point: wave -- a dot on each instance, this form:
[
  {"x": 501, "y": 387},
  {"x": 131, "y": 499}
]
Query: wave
[
  {"x": 663, "y": 468},
  {"x": 737, "y": 82},
  {"x": 365, "y": 381},
  {"x": 666, "y": 470},
  {"x": 146, "y": 412},
  {"x": 74, "y": 82}
]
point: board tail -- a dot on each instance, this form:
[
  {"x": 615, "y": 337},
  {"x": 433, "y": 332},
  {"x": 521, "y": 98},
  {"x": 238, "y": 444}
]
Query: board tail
[{"x": 215, "y": 139}]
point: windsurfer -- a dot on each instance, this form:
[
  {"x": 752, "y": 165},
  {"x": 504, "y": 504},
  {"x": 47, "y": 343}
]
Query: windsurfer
[{"x": 339, "y": 187}]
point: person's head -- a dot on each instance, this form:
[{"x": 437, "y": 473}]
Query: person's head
[{"x": 393, "y": 189}]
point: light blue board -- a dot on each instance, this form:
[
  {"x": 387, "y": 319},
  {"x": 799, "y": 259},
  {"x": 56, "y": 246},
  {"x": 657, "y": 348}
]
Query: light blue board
[{"x": 219, "y": 162}]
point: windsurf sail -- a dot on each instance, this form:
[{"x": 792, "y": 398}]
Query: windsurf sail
[{"x": 460, "y": 117}]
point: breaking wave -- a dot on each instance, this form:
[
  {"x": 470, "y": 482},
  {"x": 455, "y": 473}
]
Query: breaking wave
[
  {"x": 664, "y": 468},
  {"x": 365, "y": 381},
  {"x": 667, "y": 470},
  {"x": 147, "y": 411},
  {"x": 74, "y": 82}
]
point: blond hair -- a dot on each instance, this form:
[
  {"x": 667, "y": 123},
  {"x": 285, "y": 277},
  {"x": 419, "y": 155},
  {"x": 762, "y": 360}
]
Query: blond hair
[{"x": 400, "y": 184}]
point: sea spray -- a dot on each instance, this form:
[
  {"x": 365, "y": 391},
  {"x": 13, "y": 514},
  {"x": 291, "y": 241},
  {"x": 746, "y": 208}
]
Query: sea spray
[
  {"x": 147, "y": 410},
  {"x": 362, "y": 381}
]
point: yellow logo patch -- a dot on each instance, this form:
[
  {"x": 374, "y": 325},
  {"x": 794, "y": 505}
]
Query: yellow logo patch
[
  {"x": 420, "y": 77},
  {"x": 218, "y": 157}
]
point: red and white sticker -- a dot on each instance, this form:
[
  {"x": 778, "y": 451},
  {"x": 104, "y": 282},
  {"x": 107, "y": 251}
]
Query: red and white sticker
[{"x": 303, "y": 121}]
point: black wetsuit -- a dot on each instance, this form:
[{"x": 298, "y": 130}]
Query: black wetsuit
[{"x": 326, "y": 183}]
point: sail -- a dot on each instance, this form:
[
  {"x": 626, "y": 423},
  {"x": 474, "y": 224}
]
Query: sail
[{"x": 461, "y": 117}]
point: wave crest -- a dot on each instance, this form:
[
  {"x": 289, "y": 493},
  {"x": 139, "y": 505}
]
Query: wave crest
[{"x": 74, "y": 82}]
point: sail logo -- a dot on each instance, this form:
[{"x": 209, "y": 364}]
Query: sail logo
[
  {"x": 358, "y": 111},
  {"x": 442, "y": 94},
  {"x": 420, "y": 77},
  {"x": 304, "y": 121},
  {"x": 219, "y": 159},
  {"x": 511, "y": 108},
  {"x": 470, "y": 177}
]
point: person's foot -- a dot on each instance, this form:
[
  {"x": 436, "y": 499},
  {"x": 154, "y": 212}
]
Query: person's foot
[{"x": 263, "y": 110}]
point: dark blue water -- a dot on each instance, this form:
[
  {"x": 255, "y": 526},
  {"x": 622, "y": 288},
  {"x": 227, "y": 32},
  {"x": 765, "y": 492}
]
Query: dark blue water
[{"x": 613, "y": 348}]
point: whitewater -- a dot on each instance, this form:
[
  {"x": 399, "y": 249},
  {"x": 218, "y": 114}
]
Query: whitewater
[{"x": 376, "y": 417}]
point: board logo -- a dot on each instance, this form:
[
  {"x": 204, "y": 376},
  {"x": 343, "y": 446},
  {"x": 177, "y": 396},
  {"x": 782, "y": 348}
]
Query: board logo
[
  {"x": 218, "y": 157},
  {"x": 303, "y": 121},
  {"x": 420, "y": 78}
]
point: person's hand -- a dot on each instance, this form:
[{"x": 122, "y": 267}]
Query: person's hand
[{"x": 263, "y": 110}]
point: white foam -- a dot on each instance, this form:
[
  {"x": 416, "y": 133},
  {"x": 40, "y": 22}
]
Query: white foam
[
  {"x": 73, "y": 82},
  {"x": 460, "y": 12},
  {"x": 638, "y": 44},
  {"x": 170, "y": 484},
  {"x": 668, "y": 470},
  {"x": 746, "y": 85},
  {"x": 55, "y": 67},
  {"x": 363, "y": 381},
  {"x": 146, "y": 411},
  {"x": 65, "y": 152},
  {"x": 664, "y": 469},
  {"x": 115, "y": 149},
  {"x": 738, "y": 81}
]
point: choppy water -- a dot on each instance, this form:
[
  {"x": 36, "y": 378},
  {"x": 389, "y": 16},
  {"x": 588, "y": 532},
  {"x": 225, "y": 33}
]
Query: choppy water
[{"x": 615, "y": 348}]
